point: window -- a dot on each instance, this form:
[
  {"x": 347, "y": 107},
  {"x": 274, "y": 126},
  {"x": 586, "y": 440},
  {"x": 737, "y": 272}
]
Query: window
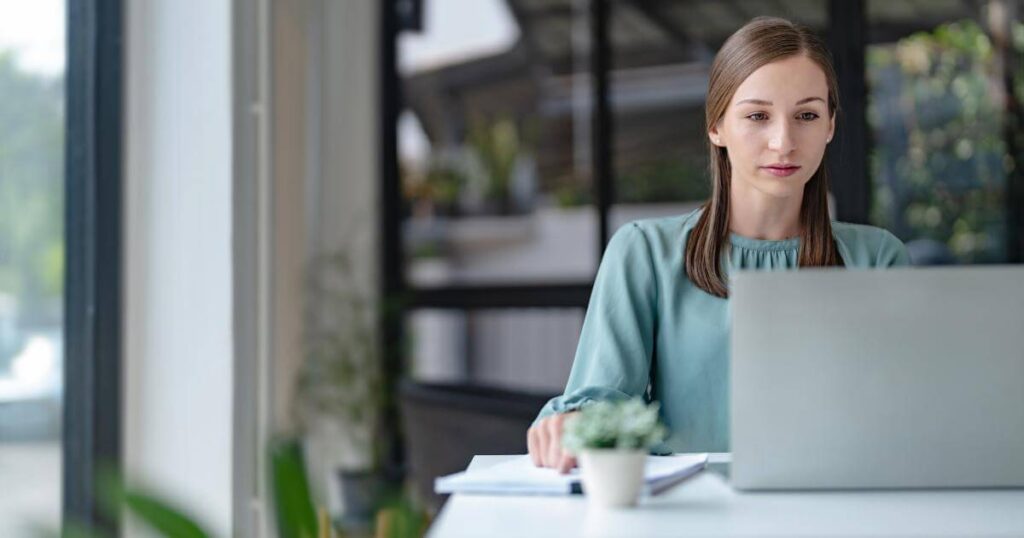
[
  {"x": 528, "y": 132},
  {"x": 617, "y": 89},
  {"x": 497, "y": 188},
  {"x": 494, "y": 145},
  {"x": 32, "y": 68},
  {"x": 943, "y": 157}
]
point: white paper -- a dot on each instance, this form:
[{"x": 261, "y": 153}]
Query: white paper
[{"x": 519, "y": 476}]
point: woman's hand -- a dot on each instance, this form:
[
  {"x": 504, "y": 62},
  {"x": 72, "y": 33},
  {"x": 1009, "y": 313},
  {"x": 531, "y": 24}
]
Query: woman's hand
[{"x": 544, "y": 441}]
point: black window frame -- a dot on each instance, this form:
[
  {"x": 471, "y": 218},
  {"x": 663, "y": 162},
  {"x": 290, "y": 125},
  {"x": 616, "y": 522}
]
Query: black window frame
[{"x": 91, "y": 444}]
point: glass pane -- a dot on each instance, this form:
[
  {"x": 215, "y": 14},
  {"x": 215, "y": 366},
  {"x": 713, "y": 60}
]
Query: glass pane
[
  {"x": 31, "y": 262},
  {"x": 494, "y": 144},
  {"x": 939, "y": 162},
  {"x": 661, "y": 61},
  {"x": 527, "y": 349}
]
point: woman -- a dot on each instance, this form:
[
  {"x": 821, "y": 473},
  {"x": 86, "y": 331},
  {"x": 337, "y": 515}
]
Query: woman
[{"x": 658, "y": 320}]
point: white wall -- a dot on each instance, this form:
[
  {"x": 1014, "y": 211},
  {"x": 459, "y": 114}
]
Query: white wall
[
  {"x": 178, "y": 254},
  {"x": 325, "y": 135},
  {"x": 211, "y": 348},
  {"x": 347, "y": 196},
  {"x": 291, "y": 63},
  {"x": 325, "y": 110}
]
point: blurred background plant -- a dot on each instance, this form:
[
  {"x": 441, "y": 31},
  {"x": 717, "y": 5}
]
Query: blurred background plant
[
  {"x": 570, "y": 191},
  {"x": 339, "y": 394},
  {"x": 31, "y": 194},
  {"x": 434, "y": 192},
  {"x": 666, "y": 180},
  {"x": 295, "y": 514},
  {"x": 496, "y": 147},
  {"x": 672, "y": 179},
  {"x": 940, "y": 159},
  {"x": 340, "y": 379},
  {"x": 489, "y": 173},
  {"x": 142, "y": 507}
]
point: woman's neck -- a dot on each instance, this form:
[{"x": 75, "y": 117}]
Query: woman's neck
[{"x": 757, "y": 215}]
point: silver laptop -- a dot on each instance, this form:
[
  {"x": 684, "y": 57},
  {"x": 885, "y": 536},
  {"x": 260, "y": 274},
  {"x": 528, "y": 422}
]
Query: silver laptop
[{"x": 904, "y": 378}]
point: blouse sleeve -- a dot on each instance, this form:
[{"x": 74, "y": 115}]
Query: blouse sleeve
[{"x": 613, "y": 358}]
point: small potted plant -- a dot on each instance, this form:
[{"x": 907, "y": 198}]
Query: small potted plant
[
  {"x": 611, "y": 441},
  {"x": 339, "y": 394}
]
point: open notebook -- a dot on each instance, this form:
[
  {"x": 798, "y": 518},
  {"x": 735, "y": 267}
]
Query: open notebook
[{"x": 519, "y": 476}]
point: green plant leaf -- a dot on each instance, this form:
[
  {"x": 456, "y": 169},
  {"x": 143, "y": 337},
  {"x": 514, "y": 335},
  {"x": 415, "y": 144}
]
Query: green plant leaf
[
  {"x": 162, "y": 517},
  {"x": 400, "y": 518},
  {"x": 296, "y": 517},
  {"x": 157, "y": 513},
  {"x": 626, "y": 424}
]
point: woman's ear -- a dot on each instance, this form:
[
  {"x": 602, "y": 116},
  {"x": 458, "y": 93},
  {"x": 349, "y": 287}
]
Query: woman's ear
[
  {"x": 831, "y": 128},
  {"x": 715, "y": 136}
]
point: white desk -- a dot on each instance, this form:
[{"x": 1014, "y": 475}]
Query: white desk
[{"x": 705, "y": 505}]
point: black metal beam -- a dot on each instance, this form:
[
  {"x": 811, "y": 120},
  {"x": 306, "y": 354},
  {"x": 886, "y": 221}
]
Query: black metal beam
[
  {"x": 601, "y": 125},
  {"x": 391, "y": 281},
  {"x": 477, "y": 297},
  {"x": 92, "y": 315},
  {"x": 409, "y": 15},
  {"x": 847, "y": 157}
]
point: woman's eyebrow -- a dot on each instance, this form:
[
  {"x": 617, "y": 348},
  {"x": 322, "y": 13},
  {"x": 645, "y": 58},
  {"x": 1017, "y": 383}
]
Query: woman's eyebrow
[{"x": 762, "y": 102}]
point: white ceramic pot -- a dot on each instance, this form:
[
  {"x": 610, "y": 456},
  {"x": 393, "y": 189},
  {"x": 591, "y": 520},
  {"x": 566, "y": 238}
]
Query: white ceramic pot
[{"x": 611, "y": 477}]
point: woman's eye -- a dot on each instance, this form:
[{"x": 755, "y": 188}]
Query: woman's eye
[
  {"x": 758, "y": 116},
  {"x": 808, "y": 116}
]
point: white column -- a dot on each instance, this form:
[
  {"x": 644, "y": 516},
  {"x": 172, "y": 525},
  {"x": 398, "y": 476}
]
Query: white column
[{"x": 178, "y": 356}]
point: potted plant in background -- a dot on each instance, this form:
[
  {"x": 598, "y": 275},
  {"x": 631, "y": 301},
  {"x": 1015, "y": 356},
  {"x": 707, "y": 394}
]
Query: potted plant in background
[
  {"x": 611, "y": 440},
  {"x": 499, "y": 164},
  {"x": 339, "y": 394}
]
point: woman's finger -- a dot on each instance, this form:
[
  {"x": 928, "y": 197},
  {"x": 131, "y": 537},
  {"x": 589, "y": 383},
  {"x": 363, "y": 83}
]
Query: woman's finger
[
  {"x": 531, "y": 446},
  {"x": 554, "y": 444},
  {"x": 540, "y": 441},
  {"x": 567, "y": 462}
]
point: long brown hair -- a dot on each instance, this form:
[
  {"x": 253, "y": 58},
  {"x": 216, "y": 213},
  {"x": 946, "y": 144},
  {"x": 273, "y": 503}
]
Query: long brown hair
[{"x": 761, "y": 41}]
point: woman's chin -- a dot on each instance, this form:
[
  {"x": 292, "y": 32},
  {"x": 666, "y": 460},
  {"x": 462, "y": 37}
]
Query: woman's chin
[{"x": 781, "y": 187}]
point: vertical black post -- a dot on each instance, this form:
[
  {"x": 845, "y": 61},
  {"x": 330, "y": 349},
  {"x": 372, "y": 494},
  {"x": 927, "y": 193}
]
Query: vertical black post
[
  {"x": 1001, "y": 16},
  {"x": 602, "y": 137},
  {"x": 391, "y": 283},
  {"x": 92, "y": 307},
  {"x": 848, "y": 152}
]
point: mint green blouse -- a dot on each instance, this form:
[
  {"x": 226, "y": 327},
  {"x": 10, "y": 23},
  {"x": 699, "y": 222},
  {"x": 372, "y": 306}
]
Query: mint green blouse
[{"x": 648, "y": 325}]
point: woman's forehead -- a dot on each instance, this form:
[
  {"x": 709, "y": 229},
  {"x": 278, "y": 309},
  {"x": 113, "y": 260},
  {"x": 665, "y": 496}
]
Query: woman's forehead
[{"x": 789, "y": 82}]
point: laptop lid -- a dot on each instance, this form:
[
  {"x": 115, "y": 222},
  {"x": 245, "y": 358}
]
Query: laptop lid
[{"x": 903, "y": 378}]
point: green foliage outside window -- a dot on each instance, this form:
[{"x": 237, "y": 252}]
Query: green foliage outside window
[
  {"x": 668, "y": 180},
  {"x": 31, "y": 197},
  {"x": 939, "y": 159}
]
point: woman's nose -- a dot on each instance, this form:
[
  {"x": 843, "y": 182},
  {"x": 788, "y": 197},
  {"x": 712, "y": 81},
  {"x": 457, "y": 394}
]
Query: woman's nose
[{"x": 781, "y": 138}]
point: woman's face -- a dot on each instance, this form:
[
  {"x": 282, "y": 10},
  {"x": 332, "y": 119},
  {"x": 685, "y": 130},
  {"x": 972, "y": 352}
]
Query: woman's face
[{"x": 776, "y": 127}]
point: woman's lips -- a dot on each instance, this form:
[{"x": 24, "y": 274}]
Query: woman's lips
[{"x": 781, "y": 171}]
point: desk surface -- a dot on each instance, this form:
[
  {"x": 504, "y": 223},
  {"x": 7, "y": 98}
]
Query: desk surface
[{"x": 705, "y": 505}]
